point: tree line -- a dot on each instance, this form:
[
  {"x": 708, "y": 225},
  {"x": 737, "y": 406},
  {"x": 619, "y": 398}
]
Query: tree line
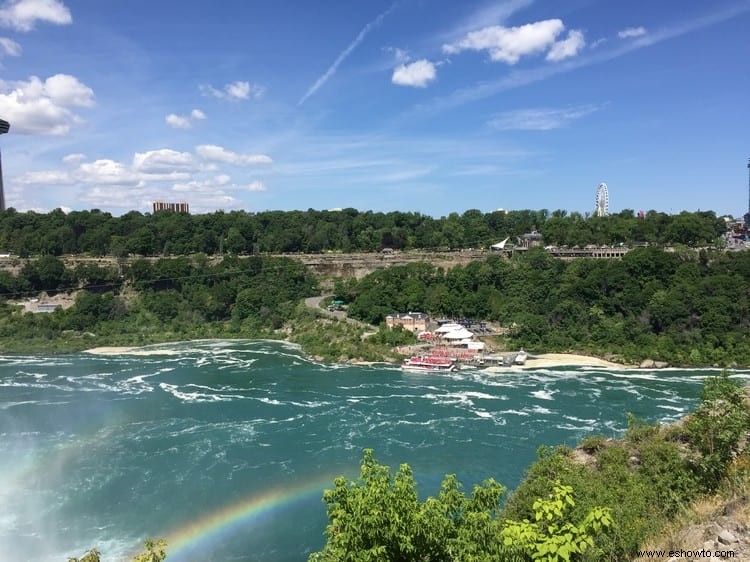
[{"x": 98, "y": 233}]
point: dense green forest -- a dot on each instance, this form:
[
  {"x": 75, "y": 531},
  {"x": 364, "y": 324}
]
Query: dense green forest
[
  {"x": 98, "y": 233},
  {"x": 687, "y": 308},
  {"x": 173, "y": 298}
]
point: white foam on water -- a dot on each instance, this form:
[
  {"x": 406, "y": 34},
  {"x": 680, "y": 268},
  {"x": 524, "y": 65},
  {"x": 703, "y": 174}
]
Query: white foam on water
[
  {"x": 482, "y": 414},
  {"x": 472, "y": 394},
  {"x": 543, "y": 394},
  {"x": 514, "y": 412},
  {"x": 579, "y": 420},
  {"x": 8, "y": 405},
  {"x": 673, "y": 408},
  {"x": 649, "y": 376},
  {"x": 540, "y": 410},
  {"x": 193, "y": 396}
]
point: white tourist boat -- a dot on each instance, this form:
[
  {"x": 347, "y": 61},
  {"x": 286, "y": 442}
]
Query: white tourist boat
[
  {"x": 521, "y": 357},
  {"x": 427, "y": 363}
]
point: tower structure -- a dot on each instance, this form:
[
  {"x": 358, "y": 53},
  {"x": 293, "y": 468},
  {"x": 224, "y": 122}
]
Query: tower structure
[
  {"x": 747, "y": 215},
  {"x": 4, "y": 128},
  {"x": 602, "y": 200}
]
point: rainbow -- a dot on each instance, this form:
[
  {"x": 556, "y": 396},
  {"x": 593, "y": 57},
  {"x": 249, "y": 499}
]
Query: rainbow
[{"x": 210, "y": 528}]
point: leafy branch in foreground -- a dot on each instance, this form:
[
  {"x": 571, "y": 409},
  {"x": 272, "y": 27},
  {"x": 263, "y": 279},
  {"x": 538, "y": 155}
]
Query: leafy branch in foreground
[
  {"x": 381, "y": 518},
  {"x": 155, "y": 552}
]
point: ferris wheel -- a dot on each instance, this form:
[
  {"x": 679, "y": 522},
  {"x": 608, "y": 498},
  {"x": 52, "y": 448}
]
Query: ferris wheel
[{"x": 602, "y": 200}]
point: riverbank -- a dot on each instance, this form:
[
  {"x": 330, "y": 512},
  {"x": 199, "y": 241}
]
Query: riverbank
[
  {"x": 122, "y": 350},
  {"x": 541, "y": 361},
  {"x": 546, "y": 360}
]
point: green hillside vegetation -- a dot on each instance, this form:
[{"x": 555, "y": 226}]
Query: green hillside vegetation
[
  {"x": 167, "y": 300},
  {"x": 98, "y": 233},
  {"x": 686, "y": 308}
]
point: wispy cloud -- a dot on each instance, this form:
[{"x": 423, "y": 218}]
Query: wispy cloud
[
  {"x": 520, "y": 78},
  {"x": 492, "y": 13},
  {"x": 9, "y": 47},
  {"x": 184, "y": 121},
  {"x": 631, "y": 32},
  {"x": 541, "y": 119},
  {"x": 345, "y": 53},
  {"x": 234, "y": 91}
]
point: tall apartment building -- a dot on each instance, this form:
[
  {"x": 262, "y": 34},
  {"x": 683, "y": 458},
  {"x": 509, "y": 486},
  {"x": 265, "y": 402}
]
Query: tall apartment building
[{"x": 181, "y": 207}]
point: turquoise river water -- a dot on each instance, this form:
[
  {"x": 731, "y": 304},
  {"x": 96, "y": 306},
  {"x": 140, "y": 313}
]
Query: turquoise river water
[{"x": 224, "y": 447}]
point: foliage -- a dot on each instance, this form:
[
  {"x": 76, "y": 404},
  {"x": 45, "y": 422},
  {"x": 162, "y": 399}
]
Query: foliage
[
  {"x": 92, "y": 555},
  {"x": 381, "y": 518},
  {"x": 163, "y": 300},
  {"x": 154, "y": 552},
  {"x": 550, "y": 537},
  {"x": 98, "y": 233},
  {"x": 718, "y": 426}
]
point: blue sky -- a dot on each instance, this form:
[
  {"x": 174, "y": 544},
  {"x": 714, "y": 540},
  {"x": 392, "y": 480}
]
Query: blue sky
[{"x": 433, "y": 106}]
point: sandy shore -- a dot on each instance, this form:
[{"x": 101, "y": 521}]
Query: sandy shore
[
  {"x": 111, "y": 350},
  {"x": 545, "y": 360}
]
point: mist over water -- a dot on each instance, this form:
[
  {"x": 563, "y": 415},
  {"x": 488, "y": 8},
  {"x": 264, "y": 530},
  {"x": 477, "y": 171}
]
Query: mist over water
[{"x": 105, "y": 451}]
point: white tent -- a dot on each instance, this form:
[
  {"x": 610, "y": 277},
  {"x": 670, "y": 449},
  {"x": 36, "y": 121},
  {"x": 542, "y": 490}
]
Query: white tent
[
  {"x": 500, "y": 245},
  {"x": 461, "y": 334},
  {"x": 445, "y": 328}
]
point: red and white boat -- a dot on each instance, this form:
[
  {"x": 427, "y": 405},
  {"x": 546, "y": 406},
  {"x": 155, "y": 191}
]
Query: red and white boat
[{"x": 428, "y": 363}]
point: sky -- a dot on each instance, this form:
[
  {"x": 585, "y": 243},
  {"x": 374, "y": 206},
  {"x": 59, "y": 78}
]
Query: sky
[{"x": 430, "y": 106}]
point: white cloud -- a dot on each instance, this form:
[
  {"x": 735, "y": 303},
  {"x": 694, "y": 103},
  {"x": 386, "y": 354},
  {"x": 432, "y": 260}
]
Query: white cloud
[
  {"x": 74, "y": 159},
  {"x": 36, "y": 107},
  {"x": 509, "y": 44},
  {"x": 214, "y": 153},
  {"x": 235, "y": 91},
  {"x": 64, "y": 89},
  {"x": 108, "y": 172},
  {"x": 160, "y": 161},
  {"x": 177, "y": 121},
  {"x": 631, "y": 32},
  {"x": 417, "y": 74},
  {"x": 540, "y": 119},
  {"x": 184, "y": 121},
  {"x": 23, "y": 14},
  {"x": 9, "y": 47},
  {"x": 566, "y": 48},
  {"x": 344, "y": 54}
]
